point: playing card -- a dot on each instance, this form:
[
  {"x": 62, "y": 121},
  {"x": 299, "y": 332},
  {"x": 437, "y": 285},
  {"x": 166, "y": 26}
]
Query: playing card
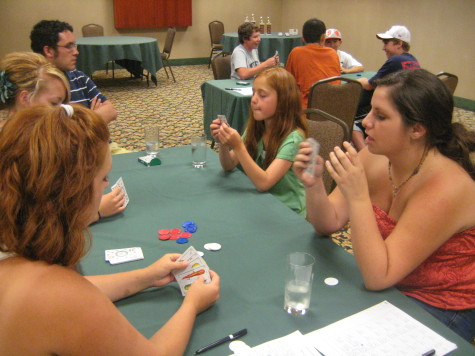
[
  {"x": 310, "y": 170},
  {"x": 122, "y": 255},
  {"x": 188, "y": 254},
  {"x": 121, "y": 185},
  {"x": 196, "y": 268}
]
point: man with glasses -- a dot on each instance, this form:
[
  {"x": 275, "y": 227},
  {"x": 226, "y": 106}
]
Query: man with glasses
[
  {"x": 396, "y": 45},
  {"x": 56, "y": 41}
]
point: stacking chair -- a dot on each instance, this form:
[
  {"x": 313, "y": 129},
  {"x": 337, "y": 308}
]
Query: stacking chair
[
  {"x": 450, "y": 80},
  {"x": 329, "y": 131},
  {"x": 95, "y": 30},
  {"x": 221, "y": 66},
  {"x": 167, "y": 49},
  {"x": 340, "y": 100},
  {"x": 92, "y": 30},
  {"x": 216, "y": 30}
]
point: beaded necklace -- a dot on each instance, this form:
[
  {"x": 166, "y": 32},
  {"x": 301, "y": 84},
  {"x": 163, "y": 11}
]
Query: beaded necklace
[{"x": 414, "y": 172}]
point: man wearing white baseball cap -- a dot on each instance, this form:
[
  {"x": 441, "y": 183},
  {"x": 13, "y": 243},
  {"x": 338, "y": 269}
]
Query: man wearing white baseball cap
[
  {"x": 396, "y": 45},
  {"x": 347, "y": 62}
]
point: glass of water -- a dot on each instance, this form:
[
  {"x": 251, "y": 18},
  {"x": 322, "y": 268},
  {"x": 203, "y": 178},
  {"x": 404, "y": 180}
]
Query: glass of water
[
  {"x": 152, "y": 140},
  {"x": 298, "y": 283},
  {"x": 198, "y": 151}
]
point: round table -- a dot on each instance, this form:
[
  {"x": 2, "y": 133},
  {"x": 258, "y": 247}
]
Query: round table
[{"x": 95, "y": 52}]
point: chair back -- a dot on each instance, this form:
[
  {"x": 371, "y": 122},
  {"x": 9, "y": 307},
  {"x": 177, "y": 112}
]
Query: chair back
[
  {"x": 167, "y": 48},
  {"x": 450, "y": 80},
  {"x": 340, "y": 100},
  {"x": 221, "y": 67},
  {"x": 216, "y": 30},
  {"x": 92, "y": 30},
  {"x": 329, "y": 131}
]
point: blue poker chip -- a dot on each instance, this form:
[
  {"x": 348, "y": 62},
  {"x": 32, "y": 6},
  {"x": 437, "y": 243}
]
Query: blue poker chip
[
  {"x": 190, "y": 226},
  {"x": 182, "y": 240}
]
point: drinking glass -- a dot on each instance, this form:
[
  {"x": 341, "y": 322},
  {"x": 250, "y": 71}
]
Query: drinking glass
[
  {"x": 152, "y": 140},
  {"x": 198, "y": 151},
  {"x": 298, "y": 283}
]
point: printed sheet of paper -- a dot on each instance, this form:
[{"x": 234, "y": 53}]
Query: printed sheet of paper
[
  {"x": 197, "y": 267},
  {"x": 380, "y": 330},
  {"x": 293, "y": 344},
  {"x": 121, "y": 185}
]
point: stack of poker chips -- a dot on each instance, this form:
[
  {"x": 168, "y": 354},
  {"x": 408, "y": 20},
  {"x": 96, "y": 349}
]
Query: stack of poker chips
[{"x": 178, "y": 235}]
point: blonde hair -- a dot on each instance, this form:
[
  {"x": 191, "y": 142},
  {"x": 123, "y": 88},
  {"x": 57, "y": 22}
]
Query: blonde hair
[{"x": 27, "y": 71}]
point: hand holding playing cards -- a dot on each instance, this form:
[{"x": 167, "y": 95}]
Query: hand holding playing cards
[
  {"x": 202, "y": 295},
  {"x": 301, "y": 162},
  {"x": 112, "y": 203},
  {"x": 161, "y": 271},
  {"x": 228, "y": 136}
]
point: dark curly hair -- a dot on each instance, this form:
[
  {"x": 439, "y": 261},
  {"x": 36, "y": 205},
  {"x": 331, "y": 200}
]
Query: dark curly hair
[
  {"x": 46, "y": 33},
  {"x": 246, "y": 30}
]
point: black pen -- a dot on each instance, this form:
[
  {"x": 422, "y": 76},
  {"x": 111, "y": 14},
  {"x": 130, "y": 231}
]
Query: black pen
[
  {"x": 232, "y": 88},
  {"x": 222, "y": 341},
  {"x": 429, "y": 353}
]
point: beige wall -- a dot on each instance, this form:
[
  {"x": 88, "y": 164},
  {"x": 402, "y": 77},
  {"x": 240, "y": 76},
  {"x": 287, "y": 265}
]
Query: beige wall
[{"x": 442, "y": 30}]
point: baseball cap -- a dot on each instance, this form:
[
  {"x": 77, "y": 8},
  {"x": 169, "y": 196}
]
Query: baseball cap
[
  {"x": 333, "y": 33},
  {"x": 397, "y": 32}
]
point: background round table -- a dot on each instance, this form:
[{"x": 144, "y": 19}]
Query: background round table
[{"x": 95, "y": 52}]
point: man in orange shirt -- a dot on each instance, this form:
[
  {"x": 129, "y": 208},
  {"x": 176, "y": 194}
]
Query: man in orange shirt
[{"x": 314, "y": 61}]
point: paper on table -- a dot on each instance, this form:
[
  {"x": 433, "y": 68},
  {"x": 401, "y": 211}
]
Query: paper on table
[
  {"x": 247, "y": 91},
  {"x": 293, "y": 344},
  {"x": 380, "y": 330}
]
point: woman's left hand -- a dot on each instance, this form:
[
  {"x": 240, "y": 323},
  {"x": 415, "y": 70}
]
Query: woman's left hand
[
  {"x": 348, "y": 172},
  {"x": 160, "y": 272}
]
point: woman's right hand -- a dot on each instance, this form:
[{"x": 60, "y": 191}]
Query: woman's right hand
[
  {"x": 302, "y": 160},
  {"x": 202, "y": 295}
]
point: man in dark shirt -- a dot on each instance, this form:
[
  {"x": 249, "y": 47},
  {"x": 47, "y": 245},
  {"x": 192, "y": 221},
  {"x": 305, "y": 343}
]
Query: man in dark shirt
[{"x": 396, "y": 45}]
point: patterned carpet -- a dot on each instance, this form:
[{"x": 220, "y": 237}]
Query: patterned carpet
[{"x": 178, "y": 110}]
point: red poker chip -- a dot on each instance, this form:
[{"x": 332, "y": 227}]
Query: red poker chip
[
  {"x": 174, "y": 237},
  {"x": 175, "y": 231},
  {"x": 186, "y": 235},
  {"x": 163, "y": 231},
  {"x": 164, "y": 237}
]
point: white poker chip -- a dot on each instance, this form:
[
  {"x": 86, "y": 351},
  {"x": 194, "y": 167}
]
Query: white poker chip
[
  {"x": 200, "y": 253},
  {"x": 331, "y": 281},
  {"x": 213, "y": 246}
]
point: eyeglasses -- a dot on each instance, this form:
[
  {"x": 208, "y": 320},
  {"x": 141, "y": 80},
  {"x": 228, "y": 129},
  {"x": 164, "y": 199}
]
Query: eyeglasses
[{"x": 69, "y": 46}]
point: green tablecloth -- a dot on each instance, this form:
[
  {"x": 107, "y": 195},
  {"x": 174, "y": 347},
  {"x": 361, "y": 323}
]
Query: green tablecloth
[
  {"x": 269, "y": 44},
  {"x": 256, "y": 232},
  {"x": 217, "y": 100},
  {"x": 368, "y": 75},
  {"x": 95, "y": 52}
]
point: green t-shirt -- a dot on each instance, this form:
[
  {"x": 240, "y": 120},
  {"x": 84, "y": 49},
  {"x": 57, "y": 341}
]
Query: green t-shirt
[{"x": 289, "y": 189}]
